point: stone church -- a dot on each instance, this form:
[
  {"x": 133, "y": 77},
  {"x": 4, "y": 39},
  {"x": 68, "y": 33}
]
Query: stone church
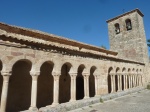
[{"x": 41, "y": 71}]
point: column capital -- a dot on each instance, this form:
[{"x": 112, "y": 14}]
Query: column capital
[
  {"x": 72, "y": 73},
  {"x": 124, "y": 73},
  {"x": 85, "y": 74},
  {"x": 34, "y": 73},
  {"x": 97, "y": 75},
  {"x": 119, "y": 73},
  {"x": 56, "y": 75},
  {"x": 6, "y": 73},
  {"x": 112, "y": 73}
]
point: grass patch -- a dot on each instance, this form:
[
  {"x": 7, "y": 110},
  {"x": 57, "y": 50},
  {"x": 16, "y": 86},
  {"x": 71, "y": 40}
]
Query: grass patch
[
  {"x": 148, "y": 86},
  {"x": 101, "y": 100},
  {"x": 90, "y": 106}
]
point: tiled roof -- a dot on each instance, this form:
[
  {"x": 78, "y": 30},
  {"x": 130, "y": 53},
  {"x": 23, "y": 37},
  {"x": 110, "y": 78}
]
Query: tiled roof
[{"x": 51, "y": 37}]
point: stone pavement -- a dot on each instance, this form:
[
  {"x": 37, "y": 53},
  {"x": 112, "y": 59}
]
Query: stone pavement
[{"x": 135, "y": 102}]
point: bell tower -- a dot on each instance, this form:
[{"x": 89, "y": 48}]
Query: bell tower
[{"x": 127, "y": 36}]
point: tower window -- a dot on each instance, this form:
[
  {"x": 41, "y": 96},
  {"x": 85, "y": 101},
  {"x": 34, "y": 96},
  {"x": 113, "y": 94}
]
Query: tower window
[
  {"x": 128, "y": 24},
  {"x": 117, "y": 28}
]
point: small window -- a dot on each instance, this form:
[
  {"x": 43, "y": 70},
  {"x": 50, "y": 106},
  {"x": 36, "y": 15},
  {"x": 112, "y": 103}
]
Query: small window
[
  {"x": 128, "y": 24},
  {"x": 117, "y": 28}
]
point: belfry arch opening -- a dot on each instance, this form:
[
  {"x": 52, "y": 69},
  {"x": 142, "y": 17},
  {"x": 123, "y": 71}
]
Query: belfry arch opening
[
  {"x": 80, "y": 83},
  {"x": 92, "y": 82},
  {"x": 64, "y": 83},
  {"x": 1, "y": 79},
  {"x": 128, "y": 24},
  {"x": 19, "y": 90},
  {"x": 45, "y": 85}
]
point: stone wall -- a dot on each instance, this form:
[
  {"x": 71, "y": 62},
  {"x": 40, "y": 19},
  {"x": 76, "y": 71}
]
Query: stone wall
[{"x": 130, "y": 44}]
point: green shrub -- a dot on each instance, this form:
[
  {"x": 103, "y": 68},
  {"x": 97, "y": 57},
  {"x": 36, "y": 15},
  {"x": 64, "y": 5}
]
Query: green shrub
[
  {"x": 101, "y": 100},
  {"x": 148, "y": 86}
]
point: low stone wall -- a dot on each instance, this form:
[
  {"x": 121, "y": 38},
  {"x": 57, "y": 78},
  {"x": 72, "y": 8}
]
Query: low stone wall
[{"x": 64, "y": 107}]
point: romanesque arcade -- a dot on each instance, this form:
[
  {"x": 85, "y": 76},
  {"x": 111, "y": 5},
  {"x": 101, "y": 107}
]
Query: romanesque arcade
[
  {"x": 25, "y": 84},
  {"x": 123, "y": 79}
]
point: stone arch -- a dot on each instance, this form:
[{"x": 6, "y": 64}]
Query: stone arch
[
  {"x": 80, "y": 82},
  {"x": 45, "y": 84},
  {"x": 8, "y": 64},
  {"x": 1, "y": 79},
  {"x": 19, "y": 90},
  {"x": 40, "y": 62},
  {"x": 110, "y": 70},
  {"x": 116, "y": 78},
  {"x": 140, "y": 70},
  {"x": 65, "y": 83},
  {"x": 133, "y": 70},
  {"x": 92, "y": 82}
]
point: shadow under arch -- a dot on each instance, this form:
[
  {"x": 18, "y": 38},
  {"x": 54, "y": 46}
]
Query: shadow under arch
[
  {"x": 123, "y": 78},
  {"x": 92, "y": 82},
  {"x": 65, "y": 83},
  {"x": 1, "y": 79},
  {"x": 110, "y": 70},
  {"x": 19, "y": 90},
  {"x": 116, "y": 78},
  {"x": 80, "y": 83},
  {"x": 45, "y": 85}
]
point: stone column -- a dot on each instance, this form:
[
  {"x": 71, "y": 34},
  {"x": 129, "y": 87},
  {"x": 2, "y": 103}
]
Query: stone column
[
  {"x": 96, "y": 84},
  {"x": 56, "y": 89},
  {"x": 112, "y": 83},
  {"x": 141, "y": 81},
  {"x": 34, "y": 90},
  {"x": 86, "y": 85},
  {"x": 73, "y": 86},
  {"x": 124, "y": 81},
  {"x": 6, "y": 76},
  {"x": 133, "y": 80},
  {"x": 129, "y": 78},
  {"x": 136, "y": 81},
  {"x": 118, "y": 82}
]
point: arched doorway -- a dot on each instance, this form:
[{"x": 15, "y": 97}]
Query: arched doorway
[
  {"x": 19, "y": 90},
  {"x": 1, "y": 80},
  {"x": 92, "y": 82},
  {"x": 64, "y": 83},
  {"x": 45, "y": 85},
  {"x": 80, "y": 83},
  {"x": 109, "y": 79}
]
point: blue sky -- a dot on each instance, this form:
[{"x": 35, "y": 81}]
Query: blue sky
[{"x": 81, "y": 20}]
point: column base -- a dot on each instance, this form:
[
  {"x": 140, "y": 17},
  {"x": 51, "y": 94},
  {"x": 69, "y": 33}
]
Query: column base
[
  {"x": 54, "y": 104},
  {"x": 33, "y": 108},
  {"x": 86, "y": 97},
  {"x": 72, "y": 100},
  {"x": 97, "y": 95}
]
